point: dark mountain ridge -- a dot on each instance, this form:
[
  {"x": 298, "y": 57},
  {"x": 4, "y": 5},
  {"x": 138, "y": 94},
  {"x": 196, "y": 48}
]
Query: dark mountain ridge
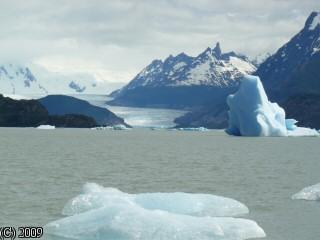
[
  {"x": 294, "y": 68},
  {"x": 31, "y": 113}
]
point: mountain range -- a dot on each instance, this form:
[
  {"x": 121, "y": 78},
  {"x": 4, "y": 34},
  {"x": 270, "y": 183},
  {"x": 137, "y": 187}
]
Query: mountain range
[
  {"x": 291, "y": 77},
  {"x": 20, "y": 79},
  {"x": 183, "y": 81}
]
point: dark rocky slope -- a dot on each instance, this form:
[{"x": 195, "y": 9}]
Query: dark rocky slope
[
  {"x": 31, "y": 113},
  {"x": 305, "y": 108},
  {"x": 22, "y": 113},
  {"x": 213, "y": 117},
  {"x": 61, "y": 105}
]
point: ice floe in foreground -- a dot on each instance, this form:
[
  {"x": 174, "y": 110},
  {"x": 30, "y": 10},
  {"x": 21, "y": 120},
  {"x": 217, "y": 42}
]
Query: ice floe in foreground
[
  {"x": 46, "y": 127},
  {"x": 311, "y": 193},
  {"x": 251, "y": 113},
  {"x": 107, "y": 213}
]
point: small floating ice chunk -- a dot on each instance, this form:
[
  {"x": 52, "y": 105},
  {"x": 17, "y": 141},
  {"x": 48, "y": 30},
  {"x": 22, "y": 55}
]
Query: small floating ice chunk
[
  {"x": 120, "y": 127},
  {"x": 311, "y": 193},
  {"x": 198, "y": 129},
  {"x": 107, "y": 213},
  {"x": 46, "y": 127},
  {"x": 101, "y": 128},
  {"x": 301, "y": 131},
  {"x": 114, "y": 127},
  {"x": 159, "y": 128},
  {"x": 251, "y": 113}
]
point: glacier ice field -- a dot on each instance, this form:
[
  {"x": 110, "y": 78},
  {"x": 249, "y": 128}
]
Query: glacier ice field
[
  {"x": 100, "y": 213},
  {"x": 252, "y": 114}
]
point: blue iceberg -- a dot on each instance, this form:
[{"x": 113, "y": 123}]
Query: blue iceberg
[
  {"x": 107, "y": 213},
  {"x": 252, "y": 114}
]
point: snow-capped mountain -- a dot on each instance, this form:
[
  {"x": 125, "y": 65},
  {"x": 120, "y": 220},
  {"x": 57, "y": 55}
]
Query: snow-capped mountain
[
  {"x": 34, "y": 80},
  {"x": 17, "y": 80},
  {"x": 260, "y": 58},
  {"x": 291, "y": 77},
  {"x": 211, "y": 69},
  {"x": 294, "y": 68}
]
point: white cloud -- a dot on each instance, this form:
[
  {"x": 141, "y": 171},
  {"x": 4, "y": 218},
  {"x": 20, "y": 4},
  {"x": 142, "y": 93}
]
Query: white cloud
[{"x": 114, "y": 40}]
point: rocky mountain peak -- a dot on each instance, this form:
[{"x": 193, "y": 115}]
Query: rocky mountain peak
[
  {"x": 217, "y": 50},
  {"x": 209, "y": 68}
]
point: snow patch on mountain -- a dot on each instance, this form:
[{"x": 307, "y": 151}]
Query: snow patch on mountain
[
  {"x": 179, "y": 66},
  {"x": 315, "y": 22},
  {"x": 315, "y": 50},
  {"x": 243, "y": 66},
  {"x": 198, "y": 75}
]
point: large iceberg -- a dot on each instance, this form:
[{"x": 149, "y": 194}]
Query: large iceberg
[
  {"x": 311, "y": 193},
  {"x": 107, "y": 213},
  {"x": 252, "y": 114}
]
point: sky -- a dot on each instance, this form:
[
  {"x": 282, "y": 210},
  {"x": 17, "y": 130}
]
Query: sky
[{"x": 113, "y": 40}]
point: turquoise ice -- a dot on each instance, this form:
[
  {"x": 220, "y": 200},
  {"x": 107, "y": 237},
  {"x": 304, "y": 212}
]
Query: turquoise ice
[
  {"x": 252, "y": 114},
  {"x": 107, "y": 213}
]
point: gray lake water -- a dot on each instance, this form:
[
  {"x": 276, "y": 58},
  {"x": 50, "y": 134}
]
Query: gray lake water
[{"x": 42, "y": 169}]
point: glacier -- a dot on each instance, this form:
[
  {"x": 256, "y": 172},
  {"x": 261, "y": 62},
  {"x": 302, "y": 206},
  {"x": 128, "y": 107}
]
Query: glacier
[
  {"x": 252, "y": 114},
  {"x": 311, "y": 193},
  {"x": 108, "y": 213}
]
